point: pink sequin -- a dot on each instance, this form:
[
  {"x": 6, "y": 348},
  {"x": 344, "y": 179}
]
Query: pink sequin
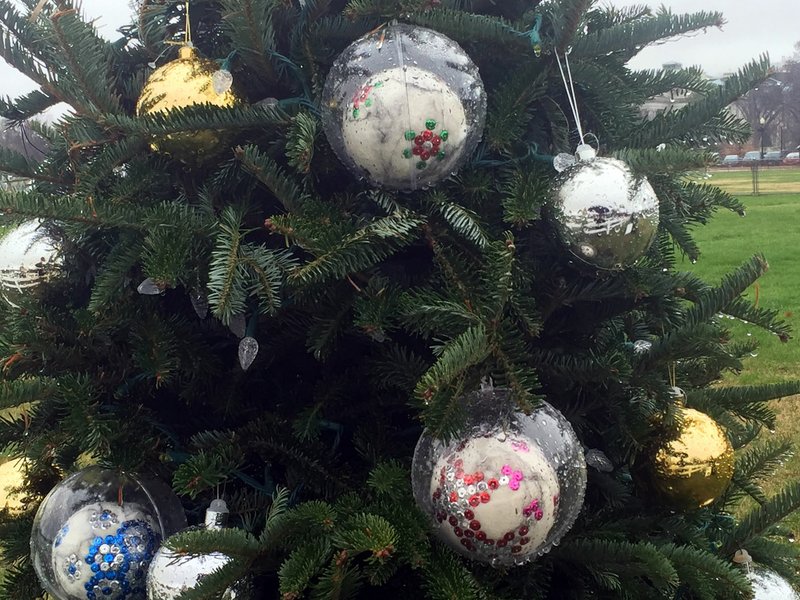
[
  {"x": 513, "y": 484},
  {"x": 520, "y": 446},
  {"x": 517, "y": 476},
  {"x": 538, "y": 514},
  {"x": 506, "y": 470}
]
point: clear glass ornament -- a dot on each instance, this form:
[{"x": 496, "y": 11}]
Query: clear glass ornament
[
  {"x": 248, "y": 350},
  {"x": 96, "y": 532},
  {"x": 508, "y": 488},
  {"x": 603, "y": 214},
  {"x": 404, "y": 107}
]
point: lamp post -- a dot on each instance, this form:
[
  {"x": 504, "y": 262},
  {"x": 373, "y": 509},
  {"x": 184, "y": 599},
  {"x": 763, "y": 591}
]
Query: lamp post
[{"x": 762, "y": 130}]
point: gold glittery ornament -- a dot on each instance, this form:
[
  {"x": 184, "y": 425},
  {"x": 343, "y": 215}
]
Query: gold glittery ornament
[
  {"x": 11, "y": 478},
  {"x": 187, "y": 81},
  {"x": 693, "y": 465}
]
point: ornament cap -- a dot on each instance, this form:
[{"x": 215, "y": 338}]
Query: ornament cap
[
  {"x": 187, "y": 52},
  {"x": 585, "y": 152},
  {"x": 217, "y": 515}
]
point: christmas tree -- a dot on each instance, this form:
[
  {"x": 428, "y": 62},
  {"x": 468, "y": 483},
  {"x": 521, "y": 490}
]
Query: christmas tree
[{"x": 252, "y": 304}]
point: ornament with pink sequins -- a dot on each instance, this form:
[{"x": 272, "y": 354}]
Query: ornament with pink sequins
[{"x": 508, "y": 489}]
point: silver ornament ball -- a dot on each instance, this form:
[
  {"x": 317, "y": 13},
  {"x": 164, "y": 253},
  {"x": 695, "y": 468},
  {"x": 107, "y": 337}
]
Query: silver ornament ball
[
  {"x": 603, "y": 214},
  {"x": 27, "y": 256},
  {"x": 768, "y": 585}
]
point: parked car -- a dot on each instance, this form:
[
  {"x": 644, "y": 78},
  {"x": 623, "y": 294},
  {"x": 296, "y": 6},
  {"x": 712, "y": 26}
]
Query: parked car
[
  {"x": 772, "y": 158},
  {"x": 752, "y": 156},
  {"x": 793, "y": 158},
  {"x": 730, "y": 160}
]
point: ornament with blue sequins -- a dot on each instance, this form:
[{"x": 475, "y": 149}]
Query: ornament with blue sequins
[{"x": 97, "y": 532}]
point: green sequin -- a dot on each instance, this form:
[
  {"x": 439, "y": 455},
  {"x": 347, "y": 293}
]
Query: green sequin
[
  {"x": 430, "y": 124},
  {"x": 407, "y": 153},
  {"x": 378, "y": 84},
  {"x": 422, "y": 165},
  {"x": 356, "y": 113},
  {"x": 444, "y": 135},
  {"x": 410, "y": 135},
  {"x": 368, "y": 102},
  {"x": 441, "y": 155}
]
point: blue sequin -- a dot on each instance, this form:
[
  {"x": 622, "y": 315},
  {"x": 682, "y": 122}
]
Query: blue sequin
[
  {"x": 96, "y": 568},
  {"x": 109, "y": 558},
  {"x": 91, "y": 596},
  {"x": 72, "y": 569},
  {"x": 109, "y": 539},
  {"x": 97, "y": 541}
]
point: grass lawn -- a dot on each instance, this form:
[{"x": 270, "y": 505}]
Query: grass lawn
[{"x": 771, "y": 227}]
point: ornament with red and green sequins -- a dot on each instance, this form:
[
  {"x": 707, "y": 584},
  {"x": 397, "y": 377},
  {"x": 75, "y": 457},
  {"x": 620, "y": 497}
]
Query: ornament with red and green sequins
[
  {"x": 404, "y": 107},
  {"x": 509, "y": 488}
]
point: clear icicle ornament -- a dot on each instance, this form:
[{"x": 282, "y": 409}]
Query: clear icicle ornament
[
  {"x": 149, "y": 287},
  {"x": 199, "y": 302},
  {"x": 238, "y": 325},
  {"x": 598, "y": 460},
  {"x": 248, "y": 350},
  {"x": 222, "y": 81}
]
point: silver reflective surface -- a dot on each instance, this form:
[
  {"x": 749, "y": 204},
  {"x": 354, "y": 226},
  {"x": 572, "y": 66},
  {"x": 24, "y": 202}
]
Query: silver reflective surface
[{"x": 606, "y": 216}]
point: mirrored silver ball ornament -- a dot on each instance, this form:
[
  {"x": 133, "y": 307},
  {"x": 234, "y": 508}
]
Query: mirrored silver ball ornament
[
  {"x": 27, "y": 257},
  {"x": 172, "y": 573},
  {"x": 404, "y": 107},
  {"x": 603, "y": 214},
  {"x": 96, "y": 532},
  {"x": 508, "y": 488},
  {"x": 768, "y": 585}
]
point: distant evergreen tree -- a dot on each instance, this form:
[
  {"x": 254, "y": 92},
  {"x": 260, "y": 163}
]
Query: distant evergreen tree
[{"x": 375, "y": 312}]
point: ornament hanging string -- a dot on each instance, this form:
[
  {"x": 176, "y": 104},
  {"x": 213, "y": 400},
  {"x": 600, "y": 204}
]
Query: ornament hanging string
[
  {"x": 188, "y": 35},
  {"x": 569, "y": 87}
]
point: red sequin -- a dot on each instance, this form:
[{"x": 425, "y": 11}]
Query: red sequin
[
  {"x": 489, "y": 541},
  {"x": 469, "y": 515},
  {"x": 468, "y": 479},
  {"x": 516, "y": 549},
  {"x": 459, "y": 463},
  {"x": 475, "y": 500},
  {"x": 419, "y": 140},
  {"x": 479, "y": 474},
  {"x": 485, "y": 497},
  {"x": 465, "y": 542},
  {"x": 427, "y": 135},
  {"x": 469, "y": 533},
  {"x": 538, "y": 515},
  {"x": 458, "y": 531},
  {"x": 524, "y": 541},
  {"x": 425, "y": 155},
  {"x": 523, "y": 530},
  {"x": 480, "y": 535},
  {"x": 474, "y": 525},
  {"x": 509, "y": 536},
  {"x": 436, "y": 140},
  {"x": 453, "y": 497},
  {"x": 459, "y": 472},
  {"x": 502, "y": 543},
  {"x": 493, "y": 484},
  {"x": 416, "y": 151},
  {"x": 452, "y": 520}
]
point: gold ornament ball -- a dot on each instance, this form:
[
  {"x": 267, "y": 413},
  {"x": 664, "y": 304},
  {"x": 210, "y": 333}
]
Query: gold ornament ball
[
  {"x": 693, "y": 466},
  {"x": 184, "y": 82},
  {"x": 11, "y": 478}
]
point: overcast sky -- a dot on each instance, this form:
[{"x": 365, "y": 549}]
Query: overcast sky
[{"x": 754, "y": 26}]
